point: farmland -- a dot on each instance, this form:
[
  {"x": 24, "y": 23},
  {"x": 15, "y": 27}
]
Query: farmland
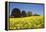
[{"x": 32, "y": 22}]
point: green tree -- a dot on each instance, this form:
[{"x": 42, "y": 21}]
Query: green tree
[
  {"x": 16, "y": 13},
  {"x": 23, "y": 13},
  {"x": 29, "y": 13}
]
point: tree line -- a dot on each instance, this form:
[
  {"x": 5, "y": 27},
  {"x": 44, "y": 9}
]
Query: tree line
[{"x": 16, "y": 13}]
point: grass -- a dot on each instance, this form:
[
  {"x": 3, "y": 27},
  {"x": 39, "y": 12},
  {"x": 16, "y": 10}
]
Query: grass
[{"x": 33, "y": 22}]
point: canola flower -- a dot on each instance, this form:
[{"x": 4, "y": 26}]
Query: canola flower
[{"x": 33, "y": 22}]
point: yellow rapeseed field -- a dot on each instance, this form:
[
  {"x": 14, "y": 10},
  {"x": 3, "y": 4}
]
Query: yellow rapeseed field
[{"x": 32, "y": 22}]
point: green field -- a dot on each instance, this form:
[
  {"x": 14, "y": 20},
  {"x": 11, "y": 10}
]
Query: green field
[{"x": 32, "y": 22}]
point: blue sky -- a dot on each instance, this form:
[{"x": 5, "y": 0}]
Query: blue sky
[{"x": 34, "y": 8}]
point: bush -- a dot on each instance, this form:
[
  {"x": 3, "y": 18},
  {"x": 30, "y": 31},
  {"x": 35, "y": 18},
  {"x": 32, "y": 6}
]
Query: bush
[{"x": 36, "y": 15}]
